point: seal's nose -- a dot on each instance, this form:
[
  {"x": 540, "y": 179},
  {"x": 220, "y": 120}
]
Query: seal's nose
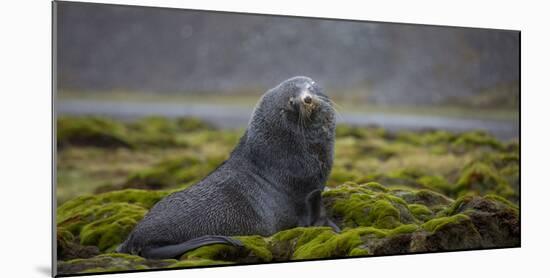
[{"x": 307, "y": 99}]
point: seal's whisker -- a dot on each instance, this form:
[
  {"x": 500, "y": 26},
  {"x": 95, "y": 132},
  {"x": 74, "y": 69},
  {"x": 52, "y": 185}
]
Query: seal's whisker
[
  {"x": 330, "y": 100},
  {"x": 301, "y": 125},
  {"x": 333, "y": 107}
]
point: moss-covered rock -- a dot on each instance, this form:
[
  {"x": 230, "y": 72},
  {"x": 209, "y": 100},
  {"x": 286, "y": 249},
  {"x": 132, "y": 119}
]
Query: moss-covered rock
[
  {"x": 163, "y": 132},
  {"x": 455, "y": 232},
  {"x": 353, "y": 205},
  {"x": 105, "y": 220},
  {"x": 433, "y": 200},
  {"x": 68, "y": 248},
  {"x": 344, "y": 130},
  {"x": 481, "y": 178},
  {"x": 283, "y": 244},
  {"x": 351, "y": 242},
  {"x": 495, "y": 218},
  {"x": 436, "y": 182},
  {"x": 172, "y": 173},
  {"x": 421, "y": 212},
  {"x": 110, "y": 262}
]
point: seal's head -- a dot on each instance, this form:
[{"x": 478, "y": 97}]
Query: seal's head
[{"x": 297, "y": 104}]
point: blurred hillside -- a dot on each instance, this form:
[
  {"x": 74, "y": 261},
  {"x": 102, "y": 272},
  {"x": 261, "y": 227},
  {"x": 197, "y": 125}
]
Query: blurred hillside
[{"x": 106, "y": 48}]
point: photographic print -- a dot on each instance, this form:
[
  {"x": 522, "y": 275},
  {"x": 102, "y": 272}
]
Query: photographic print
[{"x": 188, "y": 138}]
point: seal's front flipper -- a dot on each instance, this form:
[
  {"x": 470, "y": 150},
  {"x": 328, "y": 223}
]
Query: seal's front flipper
[
  {"x": 316, "y": 215},
  {"x": 313, "y": 207},
  {"x": 331, "y": 224},
  {"x": 173, "y": 251}
]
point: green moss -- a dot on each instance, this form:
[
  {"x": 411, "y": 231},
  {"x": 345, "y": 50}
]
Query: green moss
[
  {"x": 145, "y": 132},
  {"x": 344, "y": 130},
  {"x": 435, "y": 224},
  {"x": 112, "y": 227},
  {"x": 437, "y": 183},
  {"x": 192, "y": 124},
  {"x": 402, "y": 229},
  {"x": 502, "y": 200},
  {"x": 501, "y": 159},
  {"x": 475, "y": 139},
  {"x": 431, "y": 199},
  {"x": 380, "y": 149},
  {"x": 162, "y": 132},
  {"x": 173, "y": 173},
  {"x": 255, "y": 249},
  {"x": 328, "y": 244},
  {"x": 91, "y": 131},
  {"x": 142, "y": 198},
  {"x": 426, "y": 138},
  {"x": 105, "y": 220},
  {"x": 104, "y": 226},
  {"x": 198, "y": 262},
  {"x": 359, "y": 252},
  {"x": 214, "y": 252},
  {"x": 420, "y": 212},
  {"x": 384, "y": 215},
  {"x": 339, "y": 175},
  {"x": 283, "y": 244},
  {"x": 109, "y": 262},
  {"x": 406, "y": 176},
  {"x": 299, "y": 235},
  {"x": 481, "y": 178},
  {"x": 358, "y": 205},
  {"x": 374, "y": 186},
  {"x": 258, "y": 246},
  {"x": 457, "y": 205}
]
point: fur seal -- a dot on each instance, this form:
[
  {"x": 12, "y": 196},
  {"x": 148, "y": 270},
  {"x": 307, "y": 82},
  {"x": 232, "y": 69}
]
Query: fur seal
[{"x": 272, "y": 180}]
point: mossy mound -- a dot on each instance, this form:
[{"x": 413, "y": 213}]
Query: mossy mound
[
  {"x": 105, "y": 220},
  {"x": 433, "y": 200},
  {"x": 495, "y": 218},
  {"x": 475, "y": 139},
  {"x": 426, "y": 138},
  {"x": 455, "y": 232},
  {"x": 173, "y": 173},
  {"x": 283, "y": 244},
  {"x": 375, "y": 220},
  {"x": 110, "y": 262},
  {"x": 369, "y": 204},
  {"x": 68, "y": 248},
  {"x": 107, "y": 133},
  {"x": 351, "y": 242},
  {"x": 91, "y": 131},
  {"x": 481, "y": 178},
  {"x": 187, "y": 263}
]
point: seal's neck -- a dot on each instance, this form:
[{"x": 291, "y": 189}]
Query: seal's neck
[{"x": 300, "y": 158}]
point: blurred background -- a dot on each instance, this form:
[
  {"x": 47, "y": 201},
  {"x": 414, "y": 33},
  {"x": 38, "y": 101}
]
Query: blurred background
[{"x": 128, "y": 62}]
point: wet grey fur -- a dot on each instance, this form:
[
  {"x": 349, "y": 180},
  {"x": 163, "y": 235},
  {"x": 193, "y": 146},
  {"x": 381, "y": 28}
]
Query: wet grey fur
[{"x": 271, "y": 182}]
